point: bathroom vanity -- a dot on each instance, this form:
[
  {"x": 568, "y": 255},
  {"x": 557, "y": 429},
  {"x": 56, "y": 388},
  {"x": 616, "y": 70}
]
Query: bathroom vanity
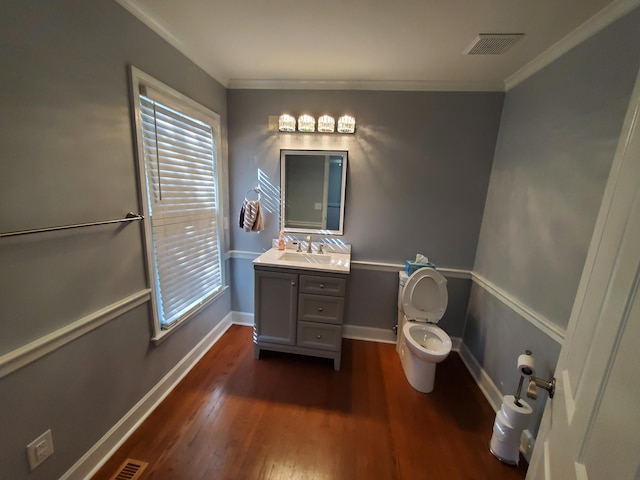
[{"x": 299, "y": 303}]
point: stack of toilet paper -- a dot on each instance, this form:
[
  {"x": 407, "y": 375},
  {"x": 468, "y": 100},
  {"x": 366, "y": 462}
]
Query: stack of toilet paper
[{"x": 511, "y": 420}]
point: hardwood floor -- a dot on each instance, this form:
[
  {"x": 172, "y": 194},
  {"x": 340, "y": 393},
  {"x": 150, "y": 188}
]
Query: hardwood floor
[{"x": 287, "y": 417}]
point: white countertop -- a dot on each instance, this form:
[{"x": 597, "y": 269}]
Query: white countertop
[{"x": 322, "y": 262}]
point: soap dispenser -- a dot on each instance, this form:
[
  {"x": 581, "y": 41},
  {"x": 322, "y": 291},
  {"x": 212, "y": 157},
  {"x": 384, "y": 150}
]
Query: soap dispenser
[{"x": 281, "y": 240}]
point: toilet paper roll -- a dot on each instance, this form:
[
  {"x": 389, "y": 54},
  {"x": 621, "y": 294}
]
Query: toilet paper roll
[
  {"x": 517, "y": 417},
  {"x": 504, "y": 431},
  {"x": 526, "y": 366}
]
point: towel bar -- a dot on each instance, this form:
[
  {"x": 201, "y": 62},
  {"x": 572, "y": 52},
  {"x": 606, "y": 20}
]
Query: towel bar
[{"x": 129, "y": 218}]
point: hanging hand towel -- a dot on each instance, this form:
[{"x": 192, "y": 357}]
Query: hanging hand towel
[
  {"x": 241, "y": 220},
  {"x": 258, "y": 225},
  {"x": 252, "y": 217}
]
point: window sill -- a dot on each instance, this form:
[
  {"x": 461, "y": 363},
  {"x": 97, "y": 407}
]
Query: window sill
[{"x": 161, "y": 335}]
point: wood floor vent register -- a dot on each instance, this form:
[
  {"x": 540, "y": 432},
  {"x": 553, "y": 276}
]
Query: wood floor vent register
[{"x": 130, "y": 470}]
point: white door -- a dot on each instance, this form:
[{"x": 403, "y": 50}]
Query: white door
[{"x": 591, "y": 428}]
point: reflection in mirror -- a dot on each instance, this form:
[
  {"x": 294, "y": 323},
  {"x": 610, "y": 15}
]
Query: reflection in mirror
[{"x": 312, "y": 186}]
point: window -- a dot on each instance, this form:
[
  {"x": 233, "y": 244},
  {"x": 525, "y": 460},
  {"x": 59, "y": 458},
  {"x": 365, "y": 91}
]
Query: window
[{"x": 178, "y": 143}]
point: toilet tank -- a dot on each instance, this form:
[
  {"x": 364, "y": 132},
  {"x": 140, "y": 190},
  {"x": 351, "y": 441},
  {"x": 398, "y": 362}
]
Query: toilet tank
[{"x": 403, "y": 277}]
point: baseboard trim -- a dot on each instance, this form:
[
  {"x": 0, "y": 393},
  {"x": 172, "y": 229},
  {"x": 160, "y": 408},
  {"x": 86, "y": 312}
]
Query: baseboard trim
[
  {"x": 97, "y": 455},
  {"x": 527, "y": 443},
  {"x": 488, "y": 388},
  {"x": 242, "y": 318},
  {"x": 355, "y": 332},
  {"x": 493, "y": 395},
  {"x": 369, "y": 334}
]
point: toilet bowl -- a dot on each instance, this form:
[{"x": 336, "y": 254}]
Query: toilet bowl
[
  {"x": 427, "y": 342},
  {"x": 422, "y": 301}
]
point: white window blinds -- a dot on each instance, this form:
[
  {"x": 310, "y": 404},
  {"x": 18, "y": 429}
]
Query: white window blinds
[{"x": 180, "y": 166}]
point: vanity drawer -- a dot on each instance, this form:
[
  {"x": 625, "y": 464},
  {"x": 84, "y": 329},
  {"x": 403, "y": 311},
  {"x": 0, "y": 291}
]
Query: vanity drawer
[
  {"x": 320, "y": 308},
  {"x": 319, "y": 335},
  {"x": 322, "y": 285}
]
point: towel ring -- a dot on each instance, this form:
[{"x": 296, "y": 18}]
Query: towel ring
[{"x": 255, "y": 190}]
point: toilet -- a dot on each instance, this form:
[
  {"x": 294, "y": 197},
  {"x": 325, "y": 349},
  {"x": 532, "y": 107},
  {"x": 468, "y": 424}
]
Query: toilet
[{"x": 422, "y": 301}]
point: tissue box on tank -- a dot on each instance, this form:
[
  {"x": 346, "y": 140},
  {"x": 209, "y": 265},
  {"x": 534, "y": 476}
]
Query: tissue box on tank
[{"x": 410, "y": 267}]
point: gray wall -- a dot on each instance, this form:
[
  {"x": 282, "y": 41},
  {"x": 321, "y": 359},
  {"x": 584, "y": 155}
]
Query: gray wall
[
  {"x": 418, "y": 172},
  {"x": 557, "y": 140},
  {"x": 67, "y": 146},
  {"x": 495, "y": 335}
]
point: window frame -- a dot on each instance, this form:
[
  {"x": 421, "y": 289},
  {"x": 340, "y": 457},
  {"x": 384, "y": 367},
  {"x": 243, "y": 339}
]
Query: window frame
[{"x": 189, "y": 107}]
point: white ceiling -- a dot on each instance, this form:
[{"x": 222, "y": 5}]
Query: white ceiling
[{"x": 380, "y": 44}]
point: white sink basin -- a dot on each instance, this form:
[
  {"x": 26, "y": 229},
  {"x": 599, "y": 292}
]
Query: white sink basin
[
  {"x": 306, "y": 257},
  {"x": 325, "y": 262}
]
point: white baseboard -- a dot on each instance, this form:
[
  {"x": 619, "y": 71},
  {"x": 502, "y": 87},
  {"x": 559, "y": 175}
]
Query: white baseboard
[
  {"x": 97, "y": 455},
  {"x": 355, "y": 332},
  {"x": 488, "y": 388},
  {"x": 369, "y": 334},
  {"x": 527, "y": 442},
  {"x": 241, "y": 318},
  {"x": 493, "y": 395}
]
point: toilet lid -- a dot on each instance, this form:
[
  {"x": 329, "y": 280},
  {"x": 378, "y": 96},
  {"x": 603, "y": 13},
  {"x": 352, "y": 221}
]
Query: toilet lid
[{"x": 424, "y": 296}]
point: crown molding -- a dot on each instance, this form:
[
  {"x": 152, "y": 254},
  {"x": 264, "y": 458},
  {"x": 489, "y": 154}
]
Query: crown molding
[
  {"x": 155, "y": 25},
  {"x": 384, "y": 85},
  {"x": 598, "y": 22}
]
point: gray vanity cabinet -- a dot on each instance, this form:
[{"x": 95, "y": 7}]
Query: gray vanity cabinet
[{"x": 299, "y": 312}]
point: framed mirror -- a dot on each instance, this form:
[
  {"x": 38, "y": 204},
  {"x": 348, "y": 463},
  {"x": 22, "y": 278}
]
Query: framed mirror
[{"x": 312, "y": 191}]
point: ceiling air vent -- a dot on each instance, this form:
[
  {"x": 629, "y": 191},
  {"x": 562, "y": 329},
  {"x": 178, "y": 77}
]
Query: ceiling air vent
[{"x": 492, "y": 43}]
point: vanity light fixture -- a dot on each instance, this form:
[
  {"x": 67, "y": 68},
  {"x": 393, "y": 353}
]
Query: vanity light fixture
[
  {"x": 346, "y": 124},
  {"x": 286, "y": 123},
  {"x": 326, "y": 124},
  {"x": 306, "y": 124}
]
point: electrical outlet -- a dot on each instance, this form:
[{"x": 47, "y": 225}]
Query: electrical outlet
[{"x": 40, "y": 449}]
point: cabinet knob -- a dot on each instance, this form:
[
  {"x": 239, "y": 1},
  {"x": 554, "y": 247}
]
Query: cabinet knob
[
  {"x": 322, "y": 285},
  {"x": 319, "y": 309},
  {"x": 293, "y": 284},
  {"x": 318, "y": 337}
]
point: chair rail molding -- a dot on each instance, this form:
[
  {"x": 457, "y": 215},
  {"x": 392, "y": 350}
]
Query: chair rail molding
[{"x": 32, "y": 351}]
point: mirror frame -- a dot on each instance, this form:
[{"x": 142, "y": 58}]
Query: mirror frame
[{"x": 283, "y": 194}]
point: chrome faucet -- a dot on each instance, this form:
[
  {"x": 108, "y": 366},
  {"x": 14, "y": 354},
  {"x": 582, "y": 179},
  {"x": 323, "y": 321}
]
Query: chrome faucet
[{"x": 309, "y": 250}]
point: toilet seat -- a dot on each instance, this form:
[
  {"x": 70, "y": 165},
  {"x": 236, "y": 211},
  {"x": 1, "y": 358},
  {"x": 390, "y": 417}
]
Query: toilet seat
[{"x": 424, "y": 297}]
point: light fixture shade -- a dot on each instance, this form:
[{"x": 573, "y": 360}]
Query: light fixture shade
[
  {"x": 346, "y": 124},
  {"x": 286, "y": 123},
  {"x": 306, "y": 123},
  {"x": 326, "y": 124}
]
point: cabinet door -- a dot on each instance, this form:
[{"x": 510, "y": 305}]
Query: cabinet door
[{"x": 276, "y": 303}]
